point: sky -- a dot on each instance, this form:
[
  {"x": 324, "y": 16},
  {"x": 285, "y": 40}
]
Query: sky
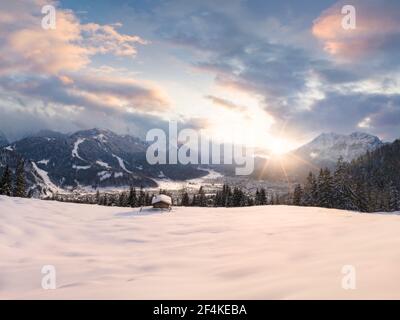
[{"x": 271, "y": 74}]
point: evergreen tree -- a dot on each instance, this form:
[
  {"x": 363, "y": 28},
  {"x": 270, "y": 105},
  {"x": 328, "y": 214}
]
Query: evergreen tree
[
  {"x": 6, "y": 182},
  {"x": 20, "y": 182},
  {"x": 132, "y": 199},
  {"x": 227, "y": 196},
  {"x": 105, "y": 200},
  {"x": 97, "y": 198},
  {"x": 185, "y": 199},
  {"x": 360, "y": 198},
  {"x": 343, "y": 195},
  {"x": 148, "y": 198},
  {"x": 257, "y": 198},
  {"x": 325, "y": 189},
  {"x": 202, "y": 201},
  {"x": 277, "y": 200},
  {"x": 263, "y": 197},
  {"x": 142, "y": 197},
  {"x": 310, "y": 191},
  {"x": 195, "y": 202},
  {"x": 394, "y": 201},
  {"x": 237, "y": 198},
  {"x": 218, "y": 199},
  {"x": 112, "y": 201},
  {"x": 297, "y": 195},
  {"x": 122, "y": 201}
]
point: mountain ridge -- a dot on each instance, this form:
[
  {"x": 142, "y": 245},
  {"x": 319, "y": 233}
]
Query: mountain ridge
[
  {"x": 96, "y": 158},
  {"x": 101, "y": 158},
  {"x": 322, "y": 151},
  {"x": 327, "y": 146}
]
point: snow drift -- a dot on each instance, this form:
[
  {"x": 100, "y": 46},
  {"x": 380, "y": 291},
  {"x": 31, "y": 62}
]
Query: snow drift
[{"x": 270, "y": 252}]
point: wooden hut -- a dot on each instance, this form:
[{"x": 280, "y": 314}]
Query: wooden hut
[{"x": 161, "y": 201}]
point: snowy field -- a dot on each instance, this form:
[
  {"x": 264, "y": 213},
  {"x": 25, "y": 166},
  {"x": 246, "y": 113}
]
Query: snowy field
[{"x": 267, "y": 252}]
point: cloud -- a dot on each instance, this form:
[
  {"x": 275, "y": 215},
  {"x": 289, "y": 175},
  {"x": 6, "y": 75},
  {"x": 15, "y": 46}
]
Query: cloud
[
  {"x": 377, "y": 30},
  {"x": 388, "y": 115},
  {"x": 27, "y": 47},
  {"x": 196, "y": 123},
  {"x": 277, "y": 75},
  {"x": 125, "y": 92},
  {"x": 54, "y": 67},
  {"x": 96, "y": 93},
  {"x": 62, "y": 75},
  {"x": 106, "y": 39},
  {"x": 347, "y": 112},
  {"x": 21, "y": 118},
  {"x": 304, "y": 90},
  {"x": 225, "y": 103}
]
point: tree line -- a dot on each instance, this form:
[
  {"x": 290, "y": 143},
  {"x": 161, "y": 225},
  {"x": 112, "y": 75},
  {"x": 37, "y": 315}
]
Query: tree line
[
  {"x": 367, "y": 184},
  {"x": 227, "y": 197},
  {"x": 131, "y": 198},
  {"x": 370, "y": 183},
  {"x": 14, "y": 184}
]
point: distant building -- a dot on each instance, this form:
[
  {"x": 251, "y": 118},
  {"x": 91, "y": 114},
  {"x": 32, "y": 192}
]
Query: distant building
[{"x": 161, "y": 201}]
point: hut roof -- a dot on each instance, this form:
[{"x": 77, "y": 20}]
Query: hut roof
[{"x": 161, "y": 198}]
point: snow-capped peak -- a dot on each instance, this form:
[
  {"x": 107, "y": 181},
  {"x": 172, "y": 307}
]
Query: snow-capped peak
[{"x": 330, "y": 146}]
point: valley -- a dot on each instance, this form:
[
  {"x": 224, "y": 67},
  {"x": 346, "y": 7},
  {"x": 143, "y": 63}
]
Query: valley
[{"x": 81, "y": 163}]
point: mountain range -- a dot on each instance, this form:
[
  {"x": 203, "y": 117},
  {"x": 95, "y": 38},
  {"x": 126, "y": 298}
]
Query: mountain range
[
  {"x": 321, "y": 152},
  {"x": 101, "y": 158},
  {"x": 327, "y": 147},
  {"x": 96, "y": 158}
]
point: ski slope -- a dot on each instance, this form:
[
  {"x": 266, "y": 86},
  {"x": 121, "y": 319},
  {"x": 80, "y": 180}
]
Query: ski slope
[{"x": 270, "y": 252}]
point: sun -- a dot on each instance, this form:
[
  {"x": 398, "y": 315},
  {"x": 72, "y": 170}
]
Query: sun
[
  {"x": 278, "y": 147},
  {"x": 251, "y": 129},
  {"x": 252, "y": 133}
]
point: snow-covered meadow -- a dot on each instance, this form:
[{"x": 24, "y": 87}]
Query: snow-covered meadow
[{"x": 270, "y": 252}]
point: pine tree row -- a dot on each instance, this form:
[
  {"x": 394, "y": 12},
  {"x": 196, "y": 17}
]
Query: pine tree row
[
  {"x": 14, "y": 185},
  {"x": 355, "y": 186},
  {"x": 226, "y": 197}
]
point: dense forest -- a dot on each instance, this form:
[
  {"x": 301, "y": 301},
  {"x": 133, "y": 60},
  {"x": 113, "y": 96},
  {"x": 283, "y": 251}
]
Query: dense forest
[
  {"x": 370, "y": 183},
  {"x": 14, "y": 184}
]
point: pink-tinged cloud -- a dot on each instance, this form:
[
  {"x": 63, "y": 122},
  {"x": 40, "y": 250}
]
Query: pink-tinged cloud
[
  {"x": 106, "y": 39},
  {"x": 377, "y": 23},
  {"x": 96, "y": 93},
  {"x": 55, "y": 63},
  {"x": 26, "y": 46},
  {"x": 123, "y": 93}
]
